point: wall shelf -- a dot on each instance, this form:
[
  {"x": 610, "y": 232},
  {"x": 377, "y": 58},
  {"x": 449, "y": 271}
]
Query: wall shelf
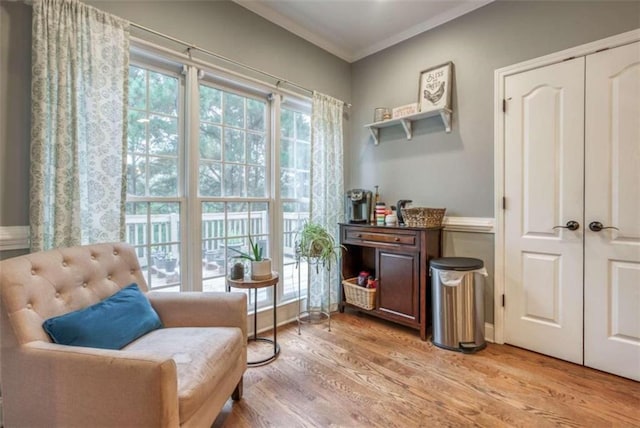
[{"x": 407, "y": 123}]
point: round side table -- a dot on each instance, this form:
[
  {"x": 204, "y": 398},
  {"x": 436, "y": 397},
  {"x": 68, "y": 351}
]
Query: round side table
[{"x": 247, "y": 283}]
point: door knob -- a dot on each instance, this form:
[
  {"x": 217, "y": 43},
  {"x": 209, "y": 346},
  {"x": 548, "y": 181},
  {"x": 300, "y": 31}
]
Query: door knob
[
  {"x": 571, "y": 225},
  {"x": 596, "y": 226}
]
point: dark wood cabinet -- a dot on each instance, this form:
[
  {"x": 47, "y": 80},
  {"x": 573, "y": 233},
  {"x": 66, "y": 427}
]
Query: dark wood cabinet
[{"x": 399, "y": 257}]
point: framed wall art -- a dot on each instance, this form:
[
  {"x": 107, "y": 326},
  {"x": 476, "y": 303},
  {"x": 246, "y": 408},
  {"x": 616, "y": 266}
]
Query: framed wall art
[{"x": 435, "y": 88}]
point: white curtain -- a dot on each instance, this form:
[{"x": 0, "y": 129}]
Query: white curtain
[
  {"x": 327, "y": 191},
  {"x": 80, "y": 65}
]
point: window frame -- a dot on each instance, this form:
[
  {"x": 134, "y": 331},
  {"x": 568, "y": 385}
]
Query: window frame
[{"x": 193, "y": 72}]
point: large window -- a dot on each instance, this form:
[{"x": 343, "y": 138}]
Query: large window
[
  {"x": 153, "y": 210},
  {"x": 201, "y": 184}
]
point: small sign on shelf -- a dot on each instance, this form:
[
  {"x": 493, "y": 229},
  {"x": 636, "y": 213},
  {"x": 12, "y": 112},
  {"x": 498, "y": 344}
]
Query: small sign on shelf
[{"x": 405, "y": 110}]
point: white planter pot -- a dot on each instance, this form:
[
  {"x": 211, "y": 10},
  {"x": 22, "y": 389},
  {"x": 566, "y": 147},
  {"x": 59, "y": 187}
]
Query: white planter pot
[{"x": 261, "y": 270}]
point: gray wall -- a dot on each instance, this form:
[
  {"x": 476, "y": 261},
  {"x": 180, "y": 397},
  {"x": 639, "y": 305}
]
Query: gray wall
[
  {"x": 15, "y": 116},
  {"x": 456, "y": 170}
]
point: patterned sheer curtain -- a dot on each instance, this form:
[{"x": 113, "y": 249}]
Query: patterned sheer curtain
[
  {"x": 80, "y": 65},
  {"x": 327, "y": 190}
]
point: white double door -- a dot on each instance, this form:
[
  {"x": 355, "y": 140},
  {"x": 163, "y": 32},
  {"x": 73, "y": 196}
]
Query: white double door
[{"x": 572, "y": 170}]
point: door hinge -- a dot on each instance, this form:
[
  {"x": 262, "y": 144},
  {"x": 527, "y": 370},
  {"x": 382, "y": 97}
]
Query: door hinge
[
  {"x": 503, "y": 300},
  {"x": 504, "y": 202},
  {"x": 504, "y": 105}
]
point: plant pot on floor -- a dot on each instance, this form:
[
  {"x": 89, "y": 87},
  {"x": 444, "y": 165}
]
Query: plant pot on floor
[
  {"x": 170, "y": 265},
  {"x": 261, "y": 270}
]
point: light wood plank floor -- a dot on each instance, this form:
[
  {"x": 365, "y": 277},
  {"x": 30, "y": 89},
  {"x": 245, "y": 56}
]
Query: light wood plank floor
[{"x": 370, "y": 373}]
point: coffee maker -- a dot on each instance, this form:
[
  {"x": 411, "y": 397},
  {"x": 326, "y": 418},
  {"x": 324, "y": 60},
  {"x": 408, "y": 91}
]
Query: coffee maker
[{"x": 358, "y": 206}]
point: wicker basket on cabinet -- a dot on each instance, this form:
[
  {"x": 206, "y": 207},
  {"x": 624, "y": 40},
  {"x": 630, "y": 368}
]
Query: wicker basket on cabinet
[{"x": 356, "y": 295}]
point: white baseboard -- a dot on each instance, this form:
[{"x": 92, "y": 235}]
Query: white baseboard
[
  {"x": 488, "y": 332},
  {"x": 14, "y": 238}
]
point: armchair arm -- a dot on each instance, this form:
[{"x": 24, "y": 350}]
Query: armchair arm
[
  {"x": 58, "y": 385},
  {"x": 201, "y": 309}
]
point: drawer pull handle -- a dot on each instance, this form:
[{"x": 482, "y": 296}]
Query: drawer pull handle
[
  {"x": 359, "y": 235},
  {"x": 396, "y": 239}
]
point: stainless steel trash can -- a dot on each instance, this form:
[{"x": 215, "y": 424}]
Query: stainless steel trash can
[{"x": 457, "y": 292}]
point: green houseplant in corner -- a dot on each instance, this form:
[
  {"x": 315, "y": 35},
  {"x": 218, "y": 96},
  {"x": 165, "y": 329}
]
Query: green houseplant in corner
[
  {"x": 316, "y": 246},
  {"x": 260, "y": 265}
]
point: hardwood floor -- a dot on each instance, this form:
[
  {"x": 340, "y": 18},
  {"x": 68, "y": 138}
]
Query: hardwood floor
[{"x": 370, "y": 373}]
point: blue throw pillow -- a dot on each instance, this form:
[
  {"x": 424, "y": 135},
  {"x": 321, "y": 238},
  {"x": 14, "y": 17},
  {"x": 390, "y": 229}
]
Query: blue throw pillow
[{"x": 109, "y": 324}]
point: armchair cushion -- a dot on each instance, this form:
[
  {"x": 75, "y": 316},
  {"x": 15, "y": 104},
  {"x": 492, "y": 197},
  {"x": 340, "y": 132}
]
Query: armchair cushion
[{"x": 110, "y": 324}]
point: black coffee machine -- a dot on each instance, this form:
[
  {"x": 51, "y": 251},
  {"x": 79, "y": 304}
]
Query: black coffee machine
[{"x": 358, "y": 206}]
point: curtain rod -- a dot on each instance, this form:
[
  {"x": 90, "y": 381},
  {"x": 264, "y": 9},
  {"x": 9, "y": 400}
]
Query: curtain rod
[{"x": 191, "y": 46}]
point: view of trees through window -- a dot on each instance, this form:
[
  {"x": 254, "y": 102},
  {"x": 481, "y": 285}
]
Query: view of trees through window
[{"x": 235, "y": 181}]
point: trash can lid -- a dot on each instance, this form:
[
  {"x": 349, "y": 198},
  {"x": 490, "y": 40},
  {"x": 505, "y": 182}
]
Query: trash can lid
[{"x": 457, "y": 263}]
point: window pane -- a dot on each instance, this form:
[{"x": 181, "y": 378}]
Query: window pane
[
  {"x": 259, "y": 216},
  {"x": 234, "y": 180},
  {"x": 210, "y": 179},
  {"x": 154, "y": 230},
  {"x": 137, "y": 88},
  {"x": 163, "y": 93},
  {"x": 303, "y": 156},
  {"x": 137, "y": 132},
  {"x": 294, "y": 215},
  {"x": 210, "y": 144},
  {"x": 136, "y": 175},
  {"x": 233, "y": 110},
  {"x": 163, "y": 176},
  {"x": 237, "y": 221},
  {"x": 295, "y": 184},
  {"x": 287, "y": 183},
  {"x": 233, "y": 145},
  {"x": 163, "y": 135},
  {"x": 303, "y": 127},
  {"x": 257, "y": 148},
  {"x": 256, "y": 181},
  {"x": 256, "y": 112},
  {"x": 286, "y": 123},
  {"x": 286, "y": 153},
  {"x": 303, "y": 188},
  {"x": 210, "y": 104}
]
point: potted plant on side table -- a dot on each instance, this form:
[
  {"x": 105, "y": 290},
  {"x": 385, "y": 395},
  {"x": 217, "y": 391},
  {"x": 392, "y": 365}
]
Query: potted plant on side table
[{"x": 260, "y": 265}]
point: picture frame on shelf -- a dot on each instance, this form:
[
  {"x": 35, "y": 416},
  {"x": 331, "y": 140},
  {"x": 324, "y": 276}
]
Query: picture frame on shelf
[{"x": 434, "y": 91}]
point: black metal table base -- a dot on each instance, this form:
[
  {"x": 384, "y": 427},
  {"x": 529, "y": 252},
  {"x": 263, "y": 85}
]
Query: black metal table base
[{"x": 276, "y": 352}]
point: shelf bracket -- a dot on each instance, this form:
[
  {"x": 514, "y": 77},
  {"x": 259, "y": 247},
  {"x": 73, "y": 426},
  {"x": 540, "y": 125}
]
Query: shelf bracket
[
  {"x": 408, "y": 129},
  {"x": 446, "y": 119},
  {"x": 375, "y": 133}
]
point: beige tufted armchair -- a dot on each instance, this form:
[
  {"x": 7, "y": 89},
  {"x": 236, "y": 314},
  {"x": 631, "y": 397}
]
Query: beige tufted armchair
[{"x": 180, "y": 375}]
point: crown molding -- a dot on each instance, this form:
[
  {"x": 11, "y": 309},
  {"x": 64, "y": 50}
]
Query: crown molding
[
  {"x": 350, "y": 56},
  {"x": 270, "y": 15},
  {"x": 420, "y": 28}
]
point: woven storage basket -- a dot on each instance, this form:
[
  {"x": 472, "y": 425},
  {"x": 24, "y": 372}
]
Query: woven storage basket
[
  {"x": 361, "y": 297},
  {"x": 423, "y": 217}
]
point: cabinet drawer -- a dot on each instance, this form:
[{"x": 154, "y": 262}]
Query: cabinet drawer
[{"x": 384, "y": 238}]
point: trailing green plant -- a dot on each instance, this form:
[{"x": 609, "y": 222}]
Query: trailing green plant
[
  {"x": 254, "y": 254},
  {"x": 315, "y": 245}
]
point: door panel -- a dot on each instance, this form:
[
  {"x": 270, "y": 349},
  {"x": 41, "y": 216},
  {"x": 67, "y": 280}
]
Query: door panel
[
  {"x": 398, "y": 293},
  {"x": 544, "y": 161},
  {"x": 612, "y": 257}
]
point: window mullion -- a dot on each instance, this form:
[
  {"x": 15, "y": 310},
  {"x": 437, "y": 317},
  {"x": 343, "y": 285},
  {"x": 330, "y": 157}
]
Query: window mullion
[
  {"x": 277, "y": 237},
  {"x": 192, "y": 281}
]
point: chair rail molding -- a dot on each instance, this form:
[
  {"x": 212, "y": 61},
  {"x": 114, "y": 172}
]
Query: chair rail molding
[
  {"x": 14, "y": 238},
  {"x": 469, "y": 224}
]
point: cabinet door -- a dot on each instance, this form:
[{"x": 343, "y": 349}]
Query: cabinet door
[{"x": 398, "y": 291}]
